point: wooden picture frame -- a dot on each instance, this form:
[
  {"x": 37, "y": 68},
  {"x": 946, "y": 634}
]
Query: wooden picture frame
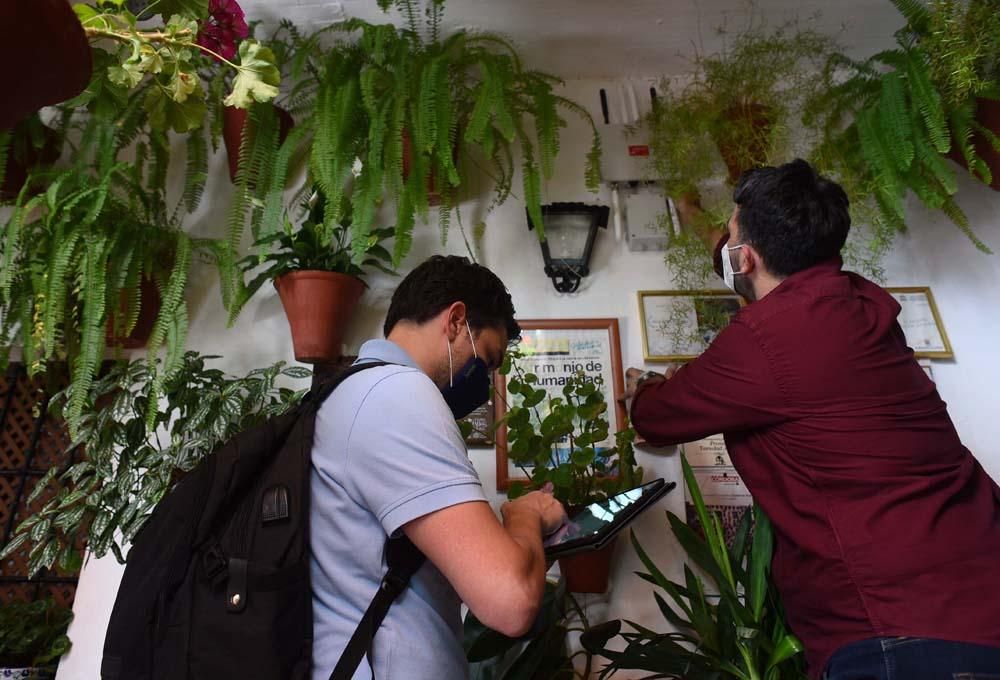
[
  {"x": 565, "y": 343},
  {"x": 657, "y": 308},
  {"x": 921, "y": 322}
]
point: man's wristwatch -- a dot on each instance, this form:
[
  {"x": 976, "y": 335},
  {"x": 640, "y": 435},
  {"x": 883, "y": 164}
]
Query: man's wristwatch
[{"x": 644, "y": 377}]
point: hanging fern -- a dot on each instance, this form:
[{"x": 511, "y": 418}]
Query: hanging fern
[{"x": 197, "y": 169}]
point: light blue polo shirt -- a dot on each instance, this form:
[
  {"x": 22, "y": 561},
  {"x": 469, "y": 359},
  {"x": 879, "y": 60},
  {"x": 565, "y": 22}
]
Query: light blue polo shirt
[{"x": 386, "y": 451}]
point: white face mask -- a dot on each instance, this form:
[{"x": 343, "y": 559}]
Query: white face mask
[{"x": 728, "y": 275}]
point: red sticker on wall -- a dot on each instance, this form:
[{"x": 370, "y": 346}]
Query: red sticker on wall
[{"x": 638, "y": 150}]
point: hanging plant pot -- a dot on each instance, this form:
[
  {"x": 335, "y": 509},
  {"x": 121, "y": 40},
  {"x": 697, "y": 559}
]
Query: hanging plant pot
[
  {"x": 987, "y": 115},
  {"x": 434, "y": 197},
  {"x": 233, "y": 122},
  {"x": 46, "y": 55},
  {"x": 24, "y": 156},
  {"x": 745, "y": 143},
  {"x": 149, "y": 309},
  {"x": 319, "y": 305},
  {"x": 588, "y": 572}
]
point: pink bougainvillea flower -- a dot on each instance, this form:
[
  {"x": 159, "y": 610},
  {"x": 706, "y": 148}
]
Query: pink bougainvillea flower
[{"x": 224, "y": 28}]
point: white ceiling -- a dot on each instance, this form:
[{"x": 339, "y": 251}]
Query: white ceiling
[{"x": 591, "y": 39}]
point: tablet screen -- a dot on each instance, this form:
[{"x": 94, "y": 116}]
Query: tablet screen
[{"x": 594, "y": 517}]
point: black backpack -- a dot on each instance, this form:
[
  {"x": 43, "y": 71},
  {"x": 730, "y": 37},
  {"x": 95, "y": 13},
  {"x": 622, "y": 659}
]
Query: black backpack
[{"x": 217, "y": 582}]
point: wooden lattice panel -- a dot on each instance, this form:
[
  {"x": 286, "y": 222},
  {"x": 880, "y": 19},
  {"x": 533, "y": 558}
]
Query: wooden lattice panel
[{"x": 31, "y": 442}]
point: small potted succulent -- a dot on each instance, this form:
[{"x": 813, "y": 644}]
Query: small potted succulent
[
  {"x": 318, "y": 281},
  {"x": 32, "y": 638},
  {"x": 566, "y": 441}
]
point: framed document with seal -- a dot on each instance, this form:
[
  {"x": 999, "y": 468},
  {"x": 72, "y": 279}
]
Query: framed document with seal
[{"x": 921, "y": 322}]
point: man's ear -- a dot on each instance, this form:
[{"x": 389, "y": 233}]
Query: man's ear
[
  {"x": 750, "y": 261},
  {"x": 455, "y": 318}
]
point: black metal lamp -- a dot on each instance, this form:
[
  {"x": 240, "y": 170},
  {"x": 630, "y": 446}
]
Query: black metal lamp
[{"x": 570, "y": 229}]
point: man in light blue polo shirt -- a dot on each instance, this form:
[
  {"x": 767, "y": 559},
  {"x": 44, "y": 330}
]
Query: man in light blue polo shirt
[{"x": 388, "y": 457}]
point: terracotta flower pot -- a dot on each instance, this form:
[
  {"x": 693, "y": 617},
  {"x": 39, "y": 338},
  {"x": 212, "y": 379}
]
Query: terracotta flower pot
[
  {"x": 319, "y": 305},
  {"x": 149, "y": 309},
  {"x": 233, "y": 122},
  {"x": 588, "y": 572},
  {"x": 755, "y": 118},
  {"x": 18, "y": 168},
  {"x": 987, "y": 115}
]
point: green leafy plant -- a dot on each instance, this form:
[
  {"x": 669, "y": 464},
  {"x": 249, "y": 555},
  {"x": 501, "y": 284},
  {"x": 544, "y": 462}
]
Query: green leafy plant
[
  {"x": 740, "y": 635},
  {"x": 314, "y": 245},
  {"x": 559, "y": 439},
  {"x": 737, "y": 112},
  {"x": 33, "y": 634},
  {"x": 170, "y": 58},
  {"x": 888, "y": 125},
  {"x": 399, "y": 116},
  {"x": 72, "y": 262},
  {"x": 129, "y": 463},
  {"x": 542, "y": 653}
]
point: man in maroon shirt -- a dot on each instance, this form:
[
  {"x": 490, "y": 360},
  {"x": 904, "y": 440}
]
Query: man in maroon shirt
[{"x": 887, "y": 551}]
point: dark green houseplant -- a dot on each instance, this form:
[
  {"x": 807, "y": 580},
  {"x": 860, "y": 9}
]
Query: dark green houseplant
[
  {"x": 739, "y": 635},
  {"x": 128, "y": 464},
  {"x": 33, "y": 635},
  {"x": 316, "y": 277},
  {"x": 401, "y": 116},
  {"x": 738, "y": 111},
  {"x": 891, "y": 123},
  {"x": 560, "y": 441}
]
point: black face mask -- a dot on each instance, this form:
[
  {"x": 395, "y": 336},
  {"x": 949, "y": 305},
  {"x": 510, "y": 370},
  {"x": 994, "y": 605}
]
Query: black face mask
[{"x": 469, "y": 388}]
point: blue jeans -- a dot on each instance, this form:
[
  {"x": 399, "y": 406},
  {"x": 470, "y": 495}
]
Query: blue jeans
[{"x": 906, "y": 658}]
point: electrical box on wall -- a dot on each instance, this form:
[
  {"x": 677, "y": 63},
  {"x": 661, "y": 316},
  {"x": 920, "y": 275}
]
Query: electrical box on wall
[
  {"x": 650, "y": 218},
  {"x": 621, "y": 107}
]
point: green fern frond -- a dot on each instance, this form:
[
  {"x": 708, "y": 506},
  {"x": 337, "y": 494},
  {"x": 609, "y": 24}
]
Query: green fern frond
[
  {"x": 925, "y": 98},
  {"x": 403, "y": 239},
  {"x": 172, "y": 295},
  {"x": 57, "y": 291},
  {"x": 547, "y": 124},
  {"x": 92, "y": 334},
  {"x": 935, "y": 165},
  {"x": 961, "y": 220},
  {"x": 917, "y": 15},
  {"x": 894, "y": 123},
  {"x": 196, "y": 174},
  {"x": 274, "y": 204},
  {"x": 873, "y": 148}
]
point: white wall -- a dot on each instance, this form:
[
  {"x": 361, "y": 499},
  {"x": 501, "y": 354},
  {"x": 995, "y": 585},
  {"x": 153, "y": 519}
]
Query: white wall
[{"x": 934, "y": 253}]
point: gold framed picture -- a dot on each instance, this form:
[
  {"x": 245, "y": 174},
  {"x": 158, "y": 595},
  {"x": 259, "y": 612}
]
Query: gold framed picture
[
  {"x": 921, "y": 322},
  {"x": 554, "y": 349},
  {"x": 678, "y": 325}
]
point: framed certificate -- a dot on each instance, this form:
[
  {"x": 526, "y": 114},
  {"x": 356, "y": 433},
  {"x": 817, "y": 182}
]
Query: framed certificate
[
  {"x": 555, "y": 349},
  {"x": 921, "y": 322},
  {"x": 678, "y": 325}
]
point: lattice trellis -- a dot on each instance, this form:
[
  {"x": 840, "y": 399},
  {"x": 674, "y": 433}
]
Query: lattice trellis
[{"x": 31, "y": 442}]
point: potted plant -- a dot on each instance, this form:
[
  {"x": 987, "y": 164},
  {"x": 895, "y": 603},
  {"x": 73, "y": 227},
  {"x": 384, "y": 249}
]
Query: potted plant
[
  {"x": 316, "y": 278},
  {"x": 741, "y": 636},
  {"x": 32, "y": 638},
  {"x": 734, "y": 114},
  {"x": 962, "y": 43},
  {"x": 888, "y": 127},
  {"x": 462, "y": 101},
  {"x": 564, "y": 441},
  {"x": 127, "y": 464}
]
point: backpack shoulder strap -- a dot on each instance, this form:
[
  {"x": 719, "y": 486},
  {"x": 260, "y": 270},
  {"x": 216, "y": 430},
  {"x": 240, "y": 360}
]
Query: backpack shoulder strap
[
  {"x": 404, "y": 559},
  {"x": 320, "y": 392}
]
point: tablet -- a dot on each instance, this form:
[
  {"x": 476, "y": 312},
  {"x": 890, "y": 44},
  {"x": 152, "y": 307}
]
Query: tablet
[{"x": 594, "y": 526}]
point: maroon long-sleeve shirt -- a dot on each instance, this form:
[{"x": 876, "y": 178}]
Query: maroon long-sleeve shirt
[{"x": 885, "y": 523}]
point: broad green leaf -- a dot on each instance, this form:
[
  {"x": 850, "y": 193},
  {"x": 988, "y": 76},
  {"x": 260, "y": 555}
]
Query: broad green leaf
[
  {"x": 258, "y": 77},
  {"x": 193, "y": 9}
]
